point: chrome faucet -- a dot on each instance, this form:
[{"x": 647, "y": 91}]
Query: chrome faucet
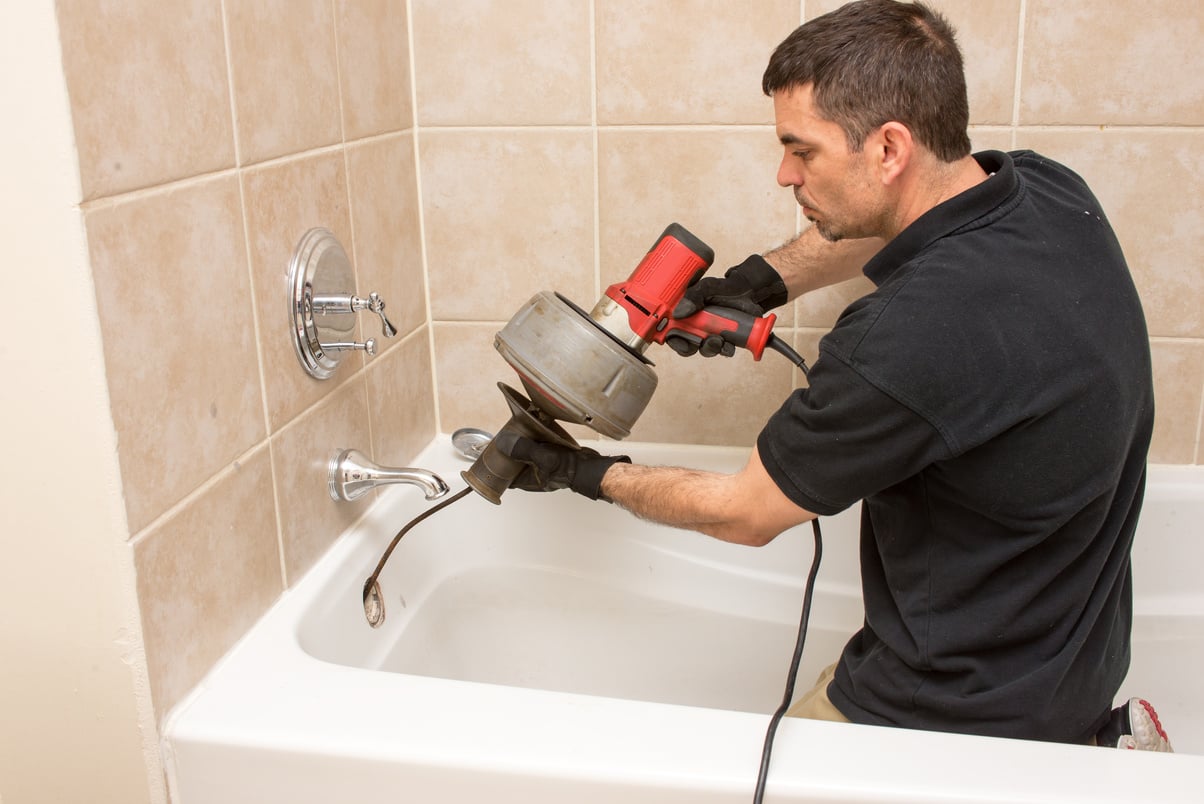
[{"x": 350, "y": 475}]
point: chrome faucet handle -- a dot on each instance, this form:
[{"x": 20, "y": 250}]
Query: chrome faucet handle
[
  {"x": 344, "y": 303},
  {"x": 377, "y": 305},
  {"x": 348, "y": 303},
  {"x": 368, "y": 346}
]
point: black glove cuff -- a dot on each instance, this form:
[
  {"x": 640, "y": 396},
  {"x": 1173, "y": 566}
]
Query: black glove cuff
[
  {"x": 587, "y": 480},
  {"x": 768, "y": 289}
]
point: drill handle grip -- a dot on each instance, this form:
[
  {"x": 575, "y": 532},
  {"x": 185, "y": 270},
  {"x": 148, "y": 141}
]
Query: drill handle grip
[{"x": 734, "y": 326}]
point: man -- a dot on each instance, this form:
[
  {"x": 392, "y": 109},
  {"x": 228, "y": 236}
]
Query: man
[{"x": 990, "y": 402}]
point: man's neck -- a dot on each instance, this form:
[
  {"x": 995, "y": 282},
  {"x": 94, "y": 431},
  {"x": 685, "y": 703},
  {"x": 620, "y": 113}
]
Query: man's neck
[{"x": 932, "y": 183}]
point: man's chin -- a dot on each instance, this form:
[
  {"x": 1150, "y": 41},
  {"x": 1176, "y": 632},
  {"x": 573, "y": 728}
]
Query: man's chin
[{"x": 826, "y": 231}]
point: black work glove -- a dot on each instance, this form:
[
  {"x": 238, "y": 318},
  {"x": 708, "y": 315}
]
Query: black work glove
[
  {"x": 551, "y": 467},
  {"x": 752, "y": 287}
]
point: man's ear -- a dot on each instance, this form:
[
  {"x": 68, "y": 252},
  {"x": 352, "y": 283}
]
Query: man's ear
[{"x": 893, "y": 150}]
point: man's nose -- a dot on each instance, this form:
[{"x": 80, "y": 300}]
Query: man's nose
[{"x": 787, "y": 175}]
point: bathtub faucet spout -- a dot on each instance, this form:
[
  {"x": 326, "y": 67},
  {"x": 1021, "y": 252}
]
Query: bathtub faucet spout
[{"x": 350, "y": 475}]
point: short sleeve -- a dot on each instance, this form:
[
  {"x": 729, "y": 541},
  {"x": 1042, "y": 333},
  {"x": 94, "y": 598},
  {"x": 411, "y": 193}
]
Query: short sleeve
[{"x": 842, "y": 439}]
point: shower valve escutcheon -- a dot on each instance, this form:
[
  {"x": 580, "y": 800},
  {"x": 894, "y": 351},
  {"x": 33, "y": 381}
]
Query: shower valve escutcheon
[{"x": 323, "y": 305}]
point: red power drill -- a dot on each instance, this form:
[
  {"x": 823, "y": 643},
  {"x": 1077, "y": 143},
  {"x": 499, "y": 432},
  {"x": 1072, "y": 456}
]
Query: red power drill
[{"x": 638, "y": 311}]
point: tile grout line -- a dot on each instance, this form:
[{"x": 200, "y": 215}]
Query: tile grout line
[
  {"x": 230, "y": 84},
  {"x": 797, "y": 379},
  {"x": 1176, "y": 338},
  {"x": 593, "y": 91},
  {"x": 360, "y": 374},
  {"x": 673, "y": 127},
  {"x": 204, "y": 487},
  {"x": 185, "y": 181},
  {"x": 1019, "y": 73},
  {"x": 357, "y": 280},
  {"x": 261, "y": 360},
  {"x": 1197, "y": 455},
  {"x": 424, "y": 254}
]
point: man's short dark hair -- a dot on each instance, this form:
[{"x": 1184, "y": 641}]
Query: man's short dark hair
[{"x": 874, "y": 61}]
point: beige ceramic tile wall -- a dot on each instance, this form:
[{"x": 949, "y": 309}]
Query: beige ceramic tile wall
[
  {"x": 211, "y": 136},
  {"x": 677, "y": 130},
  {"x": 554, "y": 140}
]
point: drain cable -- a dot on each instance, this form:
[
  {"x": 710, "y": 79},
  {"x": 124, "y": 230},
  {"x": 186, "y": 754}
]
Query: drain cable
[{"x": 373, "y": 606}]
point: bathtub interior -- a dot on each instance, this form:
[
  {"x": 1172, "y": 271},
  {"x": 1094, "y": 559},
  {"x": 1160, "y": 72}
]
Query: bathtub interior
[{"x": 553, "y": 592}]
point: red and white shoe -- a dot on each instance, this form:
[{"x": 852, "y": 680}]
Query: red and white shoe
[{"x": 1135, "y": 727}]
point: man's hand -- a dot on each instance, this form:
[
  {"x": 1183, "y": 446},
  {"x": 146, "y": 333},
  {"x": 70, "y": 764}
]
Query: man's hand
[
  {"x": 752, "y": 287},
  {"x": 551, "y": 467}
]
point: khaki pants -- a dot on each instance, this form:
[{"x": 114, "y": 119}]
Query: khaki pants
[{"x": 814, "y": 703}]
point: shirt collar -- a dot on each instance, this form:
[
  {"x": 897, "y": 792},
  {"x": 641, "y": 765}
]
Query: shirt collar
[{"x": 968, "y": 209}]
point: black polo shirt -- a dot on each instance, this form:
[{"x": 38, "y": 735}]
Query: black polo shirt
[{"x": 991, "y": 403}]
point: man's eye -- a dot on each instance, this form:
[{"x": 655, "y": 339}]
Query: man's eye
[{"x": 802, "y": 155}]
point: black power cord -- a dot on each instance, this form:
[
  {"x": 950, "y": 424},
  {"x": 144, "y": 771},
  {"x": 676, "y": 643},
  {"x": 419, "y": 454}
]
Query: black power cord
[
  {"x": 788, "y": 696},
  {"x": 763, "y": 774}
]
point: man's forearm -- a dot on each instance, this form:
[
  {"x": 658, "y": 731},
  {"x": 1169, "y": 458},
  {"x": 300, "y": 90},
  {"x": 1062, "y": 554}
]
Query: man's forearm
[
  {"x": 743, "y": 508},
  {"x": 681, "y": 498},
  {"x": 809, "y": 262}
]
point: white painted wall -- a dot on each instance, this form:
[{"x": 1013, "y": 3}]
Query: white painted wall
[{"x": 75, "y": 715}]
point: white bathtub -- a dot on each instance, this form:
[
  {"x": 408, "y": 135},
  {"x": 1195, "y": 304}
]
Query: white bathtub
[{"x": 556, "y": 650}]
